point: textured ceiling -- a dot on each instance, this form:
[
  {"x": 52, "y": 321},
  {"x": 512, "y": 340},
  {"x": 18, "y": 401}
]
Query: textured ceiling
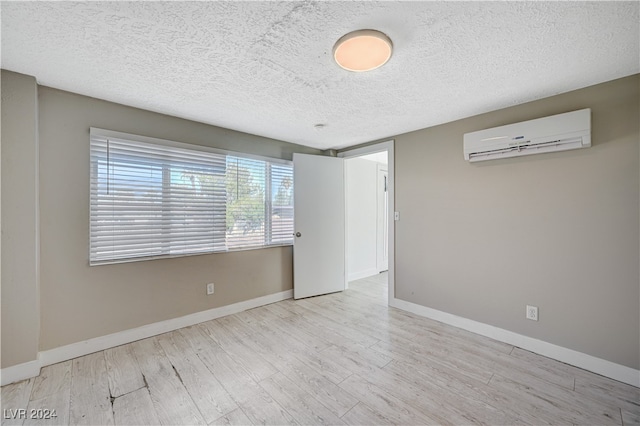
[{"x": 266, "y": 67}]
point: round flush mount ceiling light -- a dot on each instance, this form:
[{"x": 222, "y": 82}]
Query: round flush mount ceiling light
[{"x": 362, "y": 50}]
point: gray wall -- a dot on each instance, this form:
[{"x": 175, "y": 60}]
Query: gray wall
[
  {"x": 79, "y": 302},
  {"x": 559, "y": 231},
  {"x": 20, "y": 310}
]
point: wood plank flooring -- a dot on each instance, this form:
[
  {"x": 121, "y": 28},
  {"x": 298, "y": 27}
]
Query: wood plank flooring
[{"x": 343, "y": 358}]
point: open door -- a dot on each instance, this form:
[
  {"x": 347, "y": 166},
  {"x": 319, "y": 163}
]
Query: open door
[{"x": 319, "y": 217}]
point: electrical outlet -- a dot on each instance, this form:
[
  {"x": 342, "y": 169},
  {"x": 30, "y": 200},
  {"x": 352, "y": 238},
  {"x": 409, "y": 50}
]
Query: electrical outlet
[
  {"x": 532, "y": 313},
  {"x": 210, "y": 288}
]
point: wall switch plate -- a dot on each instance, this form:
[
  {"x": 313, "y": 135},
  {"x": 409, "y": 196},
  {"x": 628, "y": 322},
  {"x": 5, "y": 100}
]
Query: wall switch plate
[
  {"x": 210, "y": 288},
  {"x": 396, "y": 216},
  {"x": 532, "y": 313}
]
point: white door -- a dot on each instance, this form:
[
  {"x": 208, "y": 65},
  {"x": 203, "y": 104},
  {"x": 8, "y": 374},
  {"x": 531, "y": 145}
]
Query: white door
[{"x": 319, "y": 217}]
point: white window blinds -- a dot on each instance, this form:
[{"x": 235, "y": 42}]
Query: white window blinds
[{"x": 152, "y": 198}]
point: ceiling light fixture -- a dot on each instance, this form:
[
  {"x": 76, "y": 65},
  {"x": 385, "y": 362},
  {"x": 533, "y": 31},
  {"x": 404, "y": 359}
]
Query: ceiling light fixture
[{"x": 362, "y": 50}]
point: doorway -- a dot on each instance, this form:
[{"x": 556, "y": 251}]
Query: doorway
[{"x": 369, "y": 211}]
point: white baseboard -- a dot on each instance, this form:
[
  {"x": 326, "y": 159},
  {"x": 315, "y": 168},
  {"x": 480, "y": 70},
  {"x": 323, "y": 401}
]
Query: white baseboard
[
  {"x": 74, "y": 350},
  {"x": 600, "y": 366},
  {"x": 597, "y": 365},
  {"x": 19, "y": 372},
  {"x": 363, "y": 274}
]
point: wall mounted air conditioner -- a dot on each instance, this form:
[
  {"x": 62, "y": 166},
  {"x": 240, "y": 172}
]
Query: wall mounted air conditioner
[{"x": 571, "y": 130}]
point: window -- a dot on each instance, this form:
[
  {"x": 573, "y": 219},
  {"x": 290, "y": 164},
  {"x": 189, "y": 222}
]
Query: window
[{"x": 153, "y": 198}]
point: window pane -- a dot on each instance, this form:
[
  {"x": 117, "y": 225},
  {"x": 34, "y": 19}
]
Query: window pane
[
  {"x": 196, "y": 207},
  {"x": 282, "y": 204},
  {"x": 245, "y": 202},
  {"x": 126, "y": 207}
]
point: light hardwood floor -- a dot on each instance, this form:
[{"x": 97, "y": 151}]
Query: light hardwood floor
[{"x": 344, "y": 358}]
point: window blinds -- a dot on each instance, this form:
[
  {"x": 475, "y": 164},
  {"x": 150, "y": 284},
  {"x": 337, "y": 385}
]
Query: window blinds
[{"x": 153, "y": 199}]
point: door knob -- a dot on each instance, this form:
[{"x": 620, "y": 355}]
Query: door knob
[{"x": 297, "y": 234}]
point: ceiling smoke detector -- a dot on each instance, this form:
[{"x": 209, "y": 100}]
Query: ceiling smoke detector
[{"x": 362, "y": 50}]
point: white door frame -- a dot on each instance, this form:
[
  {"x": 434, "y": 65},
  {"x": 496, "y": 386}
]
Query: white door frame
[
  {"x": 382, "y": 204},
  {"x": 387, "y": 146}
]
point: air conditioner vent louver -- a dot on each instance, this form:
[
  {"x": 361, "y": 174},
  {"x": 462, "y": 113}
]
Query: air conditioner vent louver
[{"x": 562, "y": 132}]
